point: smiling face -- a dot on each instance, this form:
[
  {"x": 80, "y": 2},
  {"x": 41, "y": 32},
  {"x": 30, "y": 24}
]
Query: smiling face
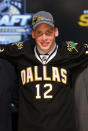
[{"x": 44, "y": 36}]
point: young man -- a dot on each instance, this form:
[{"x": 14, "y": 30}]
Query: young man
[{"x": 46, "y": 96}]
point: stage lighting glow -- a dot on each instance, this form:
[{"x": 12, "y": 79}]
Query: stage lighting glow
[{"x": 14, "y": 25}]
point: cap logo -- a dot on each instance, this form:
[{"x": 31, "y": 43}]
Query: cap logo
[{"x": 37, "y": 19}]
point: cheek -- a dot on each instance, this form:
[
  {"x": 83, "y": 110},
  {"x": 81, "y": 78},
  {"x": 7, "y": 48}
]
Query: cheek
[
  {"x": 52, "y": 38},
  {"x": 37, "y": 41}
]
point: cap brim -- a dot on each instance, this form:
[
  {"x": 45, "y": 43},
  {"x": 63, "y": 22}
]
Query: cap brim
[{"x": 43, "y": 22}]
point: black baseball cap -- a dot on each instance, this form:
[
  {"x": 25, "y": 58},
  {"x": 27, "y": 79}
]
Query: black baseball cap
[{"x": 42, "y": 17}]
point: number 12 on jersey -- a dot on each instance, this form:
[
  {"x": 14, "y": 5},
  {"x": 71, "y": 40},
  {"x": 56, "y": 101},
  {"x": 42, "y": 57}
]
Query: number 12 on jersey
[{"x": 46, "y": 94}]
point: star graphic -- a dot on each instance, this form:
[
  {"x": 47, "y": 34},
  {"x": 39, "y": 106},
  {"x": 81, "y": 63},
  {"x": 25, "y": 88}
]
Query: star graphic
[{"x": 71, "y": 45}]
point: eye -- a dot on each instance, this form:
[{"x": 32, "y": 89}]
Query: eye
[
  {"x": 38, "y": 33},
  {"x": 49, "y": 32}
]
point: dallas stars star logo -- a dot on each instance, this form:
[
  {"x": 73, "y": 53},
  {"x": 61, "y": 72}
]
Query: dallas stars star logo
[
  {"x": 36, "y": 19},
  {"x": 71, "y": 46}
]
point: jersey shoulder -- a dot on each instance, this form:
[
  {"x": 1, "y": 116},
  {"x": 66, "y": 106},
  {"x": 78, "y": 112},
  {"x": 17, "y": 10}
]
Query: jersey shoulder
[{"x": 70, "y": 48}]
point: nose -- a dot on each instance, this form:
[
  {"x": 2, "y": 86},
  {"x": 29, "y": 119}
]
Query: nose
[{"x": 44, "y": 36}]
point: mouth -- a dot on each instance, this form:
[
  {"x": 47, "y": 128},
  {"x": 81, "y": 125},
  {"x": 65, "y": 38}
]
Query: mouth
[{"x": 44, "y": 44}]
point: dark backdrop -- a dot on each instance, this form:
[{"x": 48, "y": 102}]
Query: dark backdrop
[{"x": 66, "y": 13}]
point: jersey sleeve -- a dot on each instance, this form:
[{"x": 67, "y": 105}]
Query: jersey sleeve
[
  {"x": 75, "y": 54},
  {"x": 75, "y": 49},
  {"x": 11, "y": 50}
]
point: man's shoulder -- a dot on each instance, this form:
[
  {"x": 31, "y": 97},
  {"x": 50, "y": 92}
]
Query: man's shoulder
[
  {"x": 28, "y": 44},
  {"x": 28, "y": 48}
]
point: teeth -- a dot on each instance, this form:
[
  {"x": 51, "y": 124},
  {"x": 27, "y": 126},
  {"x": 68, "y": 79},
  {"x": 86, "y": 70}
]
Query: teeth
[{"x": 45, "y": 43}]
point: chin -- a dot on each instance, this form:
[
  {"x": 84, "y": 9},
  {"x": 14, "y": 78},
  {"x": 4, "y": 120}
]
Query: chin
[{"x": 45, "y": 49}]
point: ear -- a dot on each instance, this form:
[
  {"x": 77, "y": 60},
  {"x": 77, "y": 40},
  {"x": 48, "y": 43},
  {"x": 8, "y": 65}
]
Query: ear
[
  {"x": 56, "y": 32},
  {"x": 33, "y": 34}
]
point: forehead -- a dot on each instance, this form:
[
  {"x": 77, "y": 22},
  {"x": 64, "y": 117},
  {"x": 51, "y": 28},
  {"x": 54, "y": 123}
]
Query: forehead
[{"x": 44, "y": 27}]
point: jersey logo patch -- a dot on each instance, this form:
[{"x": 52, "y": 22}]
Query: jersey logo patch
[
  {"x": 19, "y": 45},
  {"x": 71, "y": 46}
]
